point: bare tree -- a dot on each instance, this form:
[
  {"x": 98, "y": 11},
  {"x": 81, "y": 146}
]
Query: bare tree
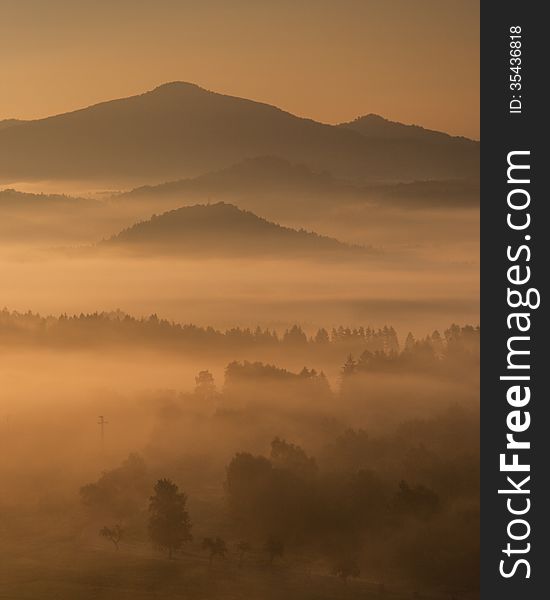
[{"x": 113, "y": 534}]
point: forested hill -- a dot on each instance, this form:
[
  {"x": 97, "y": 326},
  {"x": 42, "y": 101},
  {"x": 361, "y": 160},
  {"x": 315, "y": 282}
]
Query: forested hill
[{"x": 220, "y": 230}]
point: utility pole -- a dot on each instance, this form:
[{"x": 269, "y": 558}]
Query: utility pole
[{"x": 102, "y": 422}]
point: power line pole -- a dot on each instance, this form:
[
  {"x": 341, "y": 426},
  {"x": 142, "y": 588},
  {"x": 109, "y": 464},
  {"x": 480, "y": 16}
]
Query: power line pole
[{"x": 102, "y": 422}]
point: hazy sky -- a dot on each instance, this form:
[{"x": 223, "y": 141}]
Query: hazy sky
[{"x": 415, "y": 61}]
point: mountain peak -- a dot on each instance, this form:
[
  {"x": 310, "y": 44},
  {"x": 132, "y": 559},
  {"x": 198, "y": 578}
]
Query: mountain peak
[
  {"x": 374, "y": 127},
  {"x": 371, "y": 118},
  {"x": 181, "y": 130},
  {"x": 177, "y": 86}
]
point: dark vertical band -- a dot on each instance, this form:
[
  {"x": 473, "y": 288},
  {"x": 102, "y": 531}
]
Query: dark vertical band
[{"x": 514, "y": 522}]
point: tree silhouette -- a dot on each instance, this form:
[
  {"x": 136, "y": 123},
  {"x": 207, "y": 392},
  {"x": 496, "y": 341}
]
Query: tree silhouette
[
  {"x": 322, "y": 336},
  {"x": 417, "y": 501},
  {"x": 350, "y": 366},
  {"x": 437, "y": 343},
  {"x": 285, "y": 455},
  {"x": 243, "y": 548},
  {"x": 118, "y": 494},
  {"x": 215, "y": 546},
  {"x": 113, "y": 534},
  {"x": 169, "y": 523},
  {"x": 274, "y": 548},
  {"x": 205, "y": 386},
  {"x": 248, "y": 484},
  {"x": 295, "y": 336},
  {"x": 409, "y": 342}
]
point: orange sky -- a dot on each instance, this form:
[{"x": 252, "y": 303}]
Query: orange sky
[{"x": 415, "y": 61}]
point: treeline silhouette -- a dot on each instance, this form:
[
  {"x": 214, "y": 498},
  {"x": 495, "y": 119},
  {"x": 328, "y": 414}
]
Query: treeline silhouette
[
  {"x": 375, "y": 348},
  {"x": 458, "y": 348}
]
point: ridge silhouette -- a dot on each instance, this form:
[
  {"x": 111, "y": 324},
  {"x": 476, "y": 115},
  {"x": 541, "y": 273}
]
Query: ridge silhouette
[
  {"x": 180, "y": 130},
  {"x": 223, "y": 229}
]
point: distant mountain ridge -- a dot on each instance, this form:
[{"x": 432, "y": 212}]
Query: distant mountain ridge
[
  {"x": 50, "y": 218},
  {"x": 266, "y": 171},
  {"x": 15, "y": 199},
  {"x": 181, "y": 130},
  {"x": 269, "y": 185},
  {"x": 376, "y": 127},
  {"x": 5, "y": 123},
  {"x": 274, "y": 185},
  {"x": 222, "y": 229}
]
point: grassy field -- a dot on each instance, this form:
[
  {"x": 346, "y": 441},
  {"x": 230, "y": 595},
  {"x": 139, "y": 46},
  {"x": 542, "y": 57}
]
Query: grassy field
[{"x": 64, "y": 571}]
